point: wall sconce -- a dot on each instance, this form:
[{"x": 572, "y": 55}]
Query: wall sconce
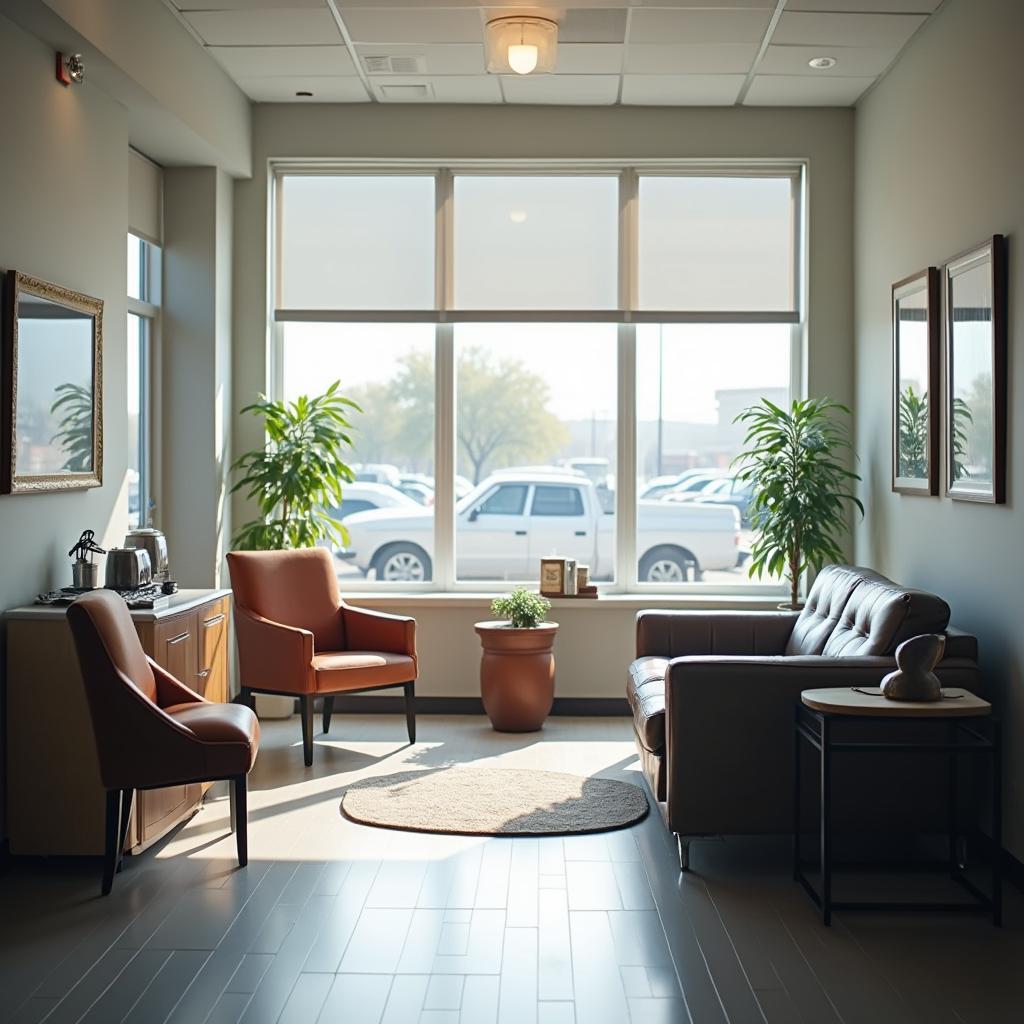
[
  {"x": 522, "y": 45},
  {"x": 70, "y": 68}
]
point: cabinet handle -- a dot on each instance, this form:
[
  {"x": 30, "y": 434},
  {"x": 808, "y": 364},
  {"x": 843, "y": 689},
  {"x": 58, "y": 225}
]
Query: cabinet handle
[
  {"x": 214, "y": 620},
  {"x": 177, "y": 639},
  {"x": 203, "y": 674}
]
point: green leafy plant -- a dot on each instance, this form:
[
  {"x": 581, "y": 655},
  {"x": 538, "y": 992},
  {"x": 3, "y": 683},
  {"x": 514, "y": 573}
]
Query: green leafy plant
[
  {"x": 913, "y": 434},
  {"x": 74, "y": 403},
  {"x": 963, "y": 421},
  {"x": 523, "y": 609},
  {"x": 297, "y": 476},
  {"x": 801, "y": 488}
]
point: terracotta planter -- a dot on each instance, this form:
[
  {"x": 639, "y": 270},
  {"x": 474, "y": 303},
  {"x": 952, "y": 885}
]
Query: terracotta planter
[{"x": 517, "y": 674}]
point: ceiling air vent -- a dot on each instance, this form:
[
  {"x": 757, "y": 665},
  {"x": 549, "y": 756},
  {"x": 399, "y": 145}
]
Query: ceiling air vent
[
  {"x": 405, "y": 93},
  {"x": 411, "y": 64}
]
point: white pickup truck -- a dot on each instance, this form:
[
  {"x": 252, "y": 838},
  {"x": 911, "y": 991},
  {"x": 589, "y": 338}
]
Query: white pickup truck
[{"x": 504, "y": 526}]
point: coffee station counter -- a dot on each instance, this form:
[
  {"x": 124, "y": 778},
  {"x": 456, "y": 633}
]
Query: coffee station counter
[{"x": 55, "y": 799}]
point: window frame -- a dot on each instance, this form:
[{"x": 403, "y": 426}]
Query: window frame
[
  {"x": 148, "y": 310},
  {"x": 444, "y": 315}
]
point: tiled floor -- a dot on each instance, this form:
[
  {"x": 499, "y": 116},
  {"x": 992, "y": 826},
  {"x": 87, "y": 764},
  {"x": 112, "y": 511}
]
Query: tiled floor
[{"x": 334, "y": 921}]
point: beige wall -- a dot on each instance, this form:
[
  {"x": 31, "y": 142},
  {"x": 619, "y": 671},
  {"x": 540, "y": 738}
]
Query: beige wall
[
  {"x": 939, "y": 151},
  {"x": 594, "y": 644},
  {"x": 63, "y": 217}
]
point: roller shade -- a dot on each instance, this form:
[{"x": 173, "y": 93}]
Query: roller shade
[{"x": 145, "y": 198}]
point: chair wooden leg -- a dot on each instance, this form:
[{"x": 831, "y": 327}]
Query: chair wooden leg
[
  {"x": 240, "y": 817},
  {"x": 410, "y": 710},
  {"x": 127, "y": 796},
  {"x": 113, "y": 830},
  {"x": 328, "y": 711},
  {"x": 306, "y": 710}
]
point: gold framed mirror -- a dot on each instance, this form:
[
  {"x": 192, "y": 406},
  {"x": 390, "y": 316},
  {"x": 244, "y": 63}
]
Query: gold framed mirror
[{"x": 52, "y": 395}]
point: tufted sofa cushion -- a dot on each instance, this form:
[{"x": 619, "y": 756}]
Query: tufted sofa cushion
[
  {"x": 824, "y": 608},
  {"x": 645, "y": 691},
  {"x": 881, "y": 614}
]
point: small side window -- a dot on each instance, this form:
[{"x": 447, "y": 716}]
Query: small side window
[
  {"x": 557, "y": 501},
  {"x": 507, "y": 500}
]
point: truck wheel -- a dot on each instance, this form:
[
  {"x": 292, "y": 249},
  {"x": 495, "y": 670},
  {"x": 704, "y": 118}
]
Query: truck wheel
[
  {"x": 404, "y": 563},
  {"x": 669, "y": 565}
]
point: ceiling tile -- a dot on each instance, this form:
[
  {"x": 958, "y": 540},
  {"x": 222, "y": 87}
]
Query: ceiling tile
[
  {"x": 590, "y": 26},
  {"x": 395, "y": 25},
  {"x": 589, "y": 59},
  {"x": 682, "y": 58},
  {"x": 271, "y": 61},
  {"x": 798, "y": 27},
  {"x": 570, "y": 89},
  {"x": 283, "y": 89},
  {"x": 438, "y": 58},
  {"x": 717, "y": 4},
  {"x": 681, "y": 90},
  {"x": 866, "y": 6},
  {"x": 246, "y": 5},
  {"x": 804, "y": 91},
  {"x": 850, "y": 60},
  {"x": 299, "y": 27},
  {"x": 697, "y": 26},
  {"x": 448, "y": 89}
]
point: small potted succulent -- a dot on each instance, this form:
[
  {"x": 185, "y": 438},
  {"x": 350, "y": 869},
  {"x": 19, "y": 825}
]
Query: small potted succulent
[{"x": 517, "y": 669}]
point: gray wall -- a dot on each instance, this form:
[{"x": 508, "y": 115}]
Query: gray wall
[
  {"x": 592, "y": 655},
  {"x": 63, "y": 217},
  {"x": 939, "y": 151}
]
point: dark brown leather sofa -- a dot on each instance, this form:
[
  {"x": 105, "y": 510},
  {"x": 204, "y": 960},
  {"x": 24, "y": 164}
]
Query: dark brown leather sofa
[{"x": 713, "y": 694}]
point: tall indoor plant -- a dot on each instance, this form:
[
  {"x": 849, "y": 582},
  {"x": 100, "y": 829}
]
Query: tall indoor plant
[
  {"x": 517, "y": 668},
  {"x": 296, "y": 477},
  {"x": 802, "y": 489}
]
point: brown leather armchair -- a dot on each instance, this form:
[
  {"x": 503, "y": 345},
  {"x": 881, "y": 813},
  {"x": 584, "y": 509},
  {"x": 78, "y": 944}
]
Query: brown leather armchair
[
  {"x": 297, "y": 638},
  {"x": 151, "y": 730}
]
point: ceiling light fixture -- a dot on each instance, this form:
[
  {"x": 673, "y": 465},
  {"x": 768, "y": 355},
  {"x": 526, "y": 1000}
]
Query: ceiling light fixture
[
  {"x": 822, "y": 63},
  {"x": 522, "y": 45}
]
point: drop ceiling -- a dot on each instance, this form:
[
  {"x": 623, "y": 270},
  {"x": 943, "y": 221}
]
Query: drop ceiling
[{"x": 632, "y": 52}]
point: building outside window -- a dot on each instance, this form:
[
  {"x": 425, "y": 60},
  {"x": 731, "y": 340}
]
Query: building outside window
[{"x": 549, "y": 362}]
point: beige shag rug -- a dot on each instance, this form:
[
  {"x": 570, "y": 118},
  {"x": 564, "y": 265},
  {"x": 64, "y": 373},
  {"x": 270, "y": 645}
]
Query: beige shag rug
[{"x": 494, "y": 802}]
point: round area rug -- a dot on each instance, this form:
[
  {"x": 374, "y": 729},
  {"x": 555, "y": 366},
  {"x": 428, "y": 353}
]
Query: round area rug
[{"x": 494, "y": 802}]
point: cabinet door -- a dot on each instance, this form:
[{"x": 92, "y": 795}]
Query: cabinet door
[
  {"x": 212, "y": 680},
  {"x": 176, "y": 648}
]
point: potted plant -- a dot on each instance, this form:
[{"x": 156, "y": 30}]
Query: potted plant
[
  {"x": 295, "y": 479},
  {"x": 801, "y": 488},
  {"x": 517, "y": 668}
]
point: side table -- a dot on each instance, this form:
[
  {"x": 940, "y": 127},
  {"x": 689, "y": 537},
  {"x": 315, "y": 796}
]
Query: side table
[{"x": 819, "y": 714}]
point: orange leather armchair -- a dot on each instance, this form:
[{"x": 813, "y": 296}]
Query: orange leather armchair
[
  {"x": 151, "y": 730},
  {"x": 297, "y": 638}
]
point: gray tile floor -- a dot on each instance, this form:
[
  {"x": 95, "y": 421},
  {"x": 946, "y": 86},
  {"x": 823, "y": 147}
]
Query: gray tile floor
[{"x": 333, "y": 921}]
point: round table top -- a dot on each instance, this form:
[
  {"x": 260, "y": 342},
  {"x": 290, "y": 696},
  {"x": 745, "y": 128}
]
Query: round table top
[{"x": 868, "y": 701}]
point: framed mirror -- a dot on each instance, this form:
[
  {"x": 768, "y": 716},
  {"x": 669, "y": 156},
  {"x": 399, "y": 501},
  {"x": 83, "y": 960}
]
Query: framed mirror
[
  {"x": 915, "y": 382},
  {"x": 52, "y": 393},
  {"x": 976, "y": 342}
]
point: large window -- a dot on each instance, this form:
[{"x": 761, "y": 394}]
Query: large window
[
  {"x": 143, "y": 324},
  {"x": 548, "y": 361}
]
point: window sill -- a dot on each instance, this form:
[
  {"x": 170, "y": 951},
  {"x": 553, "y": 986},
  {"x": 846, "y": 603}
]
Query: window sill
[{"x": 697, "y": 602}]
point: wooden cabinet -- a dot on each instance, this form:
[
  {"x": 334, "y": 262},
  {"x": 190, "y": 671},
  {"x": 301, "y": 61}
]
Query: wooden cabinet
[{"x": 55, "y": 799}]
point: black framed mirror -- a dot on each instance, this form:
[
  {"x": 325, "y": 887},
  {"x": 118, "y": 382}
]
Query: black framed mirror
[
  {"x": 915, "y": 383},
  {"x": 52, "y": 395},
  {"x": 976, "y": 354}
]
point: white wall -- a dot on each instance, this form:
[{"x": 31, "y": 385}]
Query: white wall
[
  {"x": 594, "y": 644},
  {"x": 939, "y": 152},
  {"x": 63, "y": 217}
]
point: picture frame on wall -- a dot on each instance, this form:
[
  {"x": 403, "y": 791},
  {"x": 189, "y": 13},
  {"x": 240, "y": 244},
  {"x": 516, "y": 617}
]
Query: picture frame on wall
[
  {"x": 976, "y": 365},
  {"x": 916, "y": 383}
]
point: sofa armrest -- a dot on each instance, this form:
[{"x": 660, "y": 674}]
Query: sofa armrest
[
  {"x": 171, "y": 690},
  {"x": 272, "y": 656},
  {"x": 367, "y": 630},
  {"x": 671, "y": 634}
]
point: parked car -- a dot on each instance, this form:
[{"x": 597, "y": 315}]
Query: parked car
[
  {"x": 660, "y": 486},
  {"x": 360, "y": 497},
  {"x": 419, "y": 492},
  {"x": 509, "y": 522},
  {"x": 729, "y": 491},
  {"x": 695, "y": 486},
  {"x": 376, "y": 473}
]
